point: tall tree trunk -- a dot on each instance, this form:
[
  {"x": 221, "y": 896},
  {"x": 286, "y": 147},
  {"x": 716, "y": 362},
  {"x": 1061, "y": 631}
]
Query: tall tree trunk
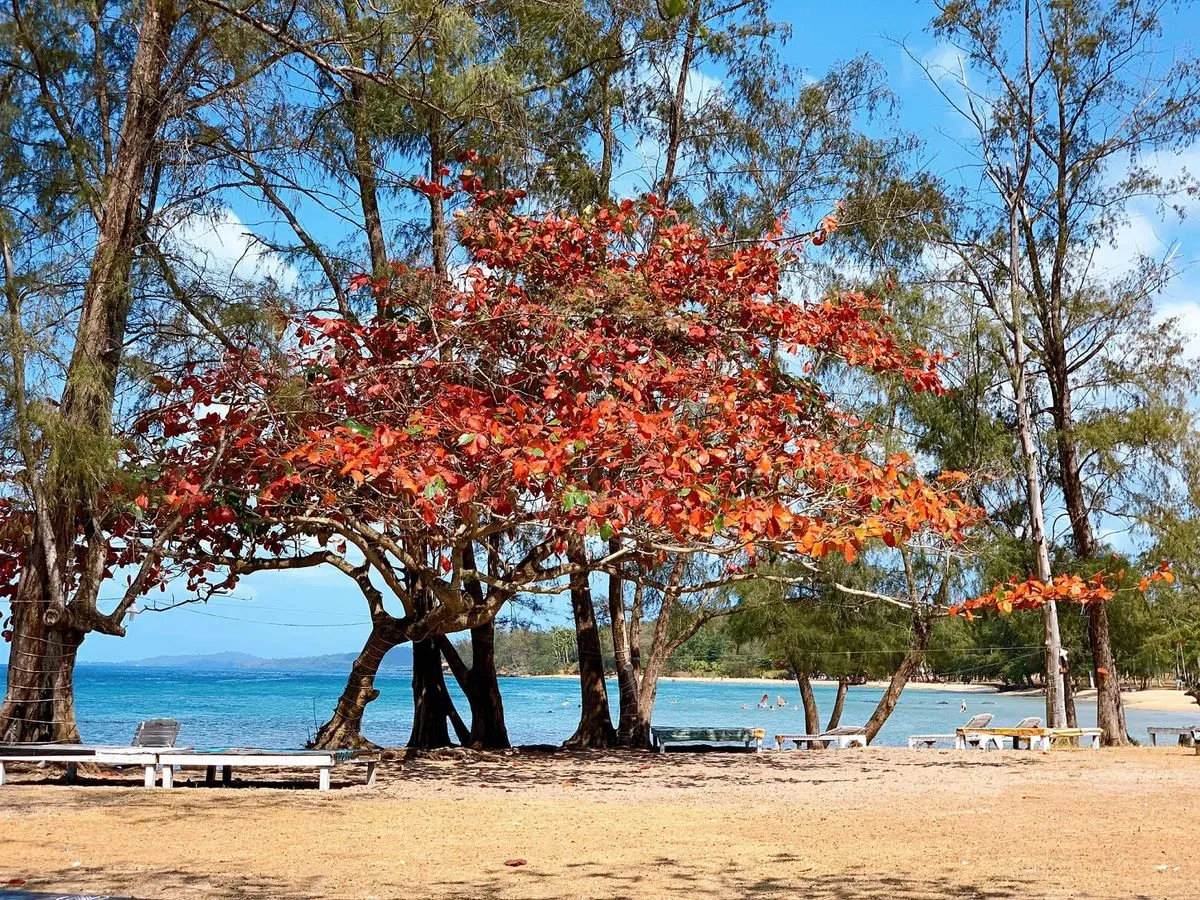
[
  {"x": 661, "y": 648},
  {"x": 429, "y": 728},
  {"x": 839, "y": 703},
  {"x": 913, "y": 659},
  {"x": 48, "y": 627},
  {"x": 678, "y": 100},
  {"x": 1069, "y": 698},
  {"x": 595, "y": 729},
  {"x": 1110, "y": 714},
  {"x": 1056, "y": 712},
  {"x": 364, "y": 157},
  {"x": 812, "y": 715},
  {"x": 1110, "y": 711},
  {"x": 344, "y": 728},
  {"x": 627, "y": 684}
]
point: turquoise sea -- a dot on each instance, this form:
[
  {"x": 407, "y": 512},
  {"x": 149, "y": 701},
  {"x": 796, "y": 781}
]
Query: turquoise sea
[{"x": 283, "y": 709}]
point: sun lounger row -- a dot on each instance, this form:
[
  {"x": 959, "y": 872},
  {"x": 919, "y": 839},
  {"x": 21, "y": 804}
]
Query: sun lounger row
[{"x": 1026, "y": 734}]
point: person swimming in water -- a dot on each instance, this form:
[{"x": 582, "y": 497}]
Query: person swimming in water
[
  {"x": 780, "y": 702},
  {"x": 765, "y": 702},
  {"x": 963, "y": 708}
]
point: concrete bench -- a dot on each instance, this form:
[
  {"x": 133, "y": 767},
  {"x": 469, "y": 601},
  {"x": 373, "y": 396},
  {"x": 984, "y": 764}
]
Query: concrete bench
[
  {"x": 841, "y": 738},
  {"x": 227, "y": 758},
  {"x": 744, "y": 736},
  {"x": 1186, "y": 736}
]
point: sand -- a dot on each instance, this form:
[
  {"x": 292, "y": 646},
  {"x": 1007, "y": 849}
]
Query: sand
[{"x": 885, "y": 823}]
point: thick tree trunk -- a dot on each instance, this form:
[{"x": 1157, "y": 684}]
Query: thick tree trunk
[
  {"x": 488, "y": 729},
  {"x": 47, "y": 631},
  {"x": 913, "y": 660},
  {"x": 344, "y": 728},
  {"x": 812, "y": 715},
  {"x": 839, "y": 703},
  {"x": 1110, "y": 712},
  {"x": 39, "y": 705},
  {"x": 429, "y": 728},
  {"x": 595, "y": 729}
]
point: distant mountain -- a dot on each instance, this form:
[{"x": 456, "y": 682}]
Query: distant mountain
[{"x": 399, "y": 660}]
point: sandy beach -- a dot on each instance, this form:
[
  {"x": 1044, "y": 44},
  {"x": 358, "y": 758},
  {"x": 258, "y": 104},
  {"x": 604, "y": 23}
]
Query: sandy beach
[
  {"x": 855, "y": 824},
  {"x": 1162, "y": 699}
]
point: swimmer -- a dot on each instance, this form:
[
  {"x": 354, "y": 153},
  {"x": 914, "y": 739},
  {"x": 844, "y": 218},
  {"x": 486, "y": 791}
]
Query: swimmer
[
  {"x": 963, "y": 708},
  {"x": 779, "y": 701},
  {"x": 765, "y": 702}
]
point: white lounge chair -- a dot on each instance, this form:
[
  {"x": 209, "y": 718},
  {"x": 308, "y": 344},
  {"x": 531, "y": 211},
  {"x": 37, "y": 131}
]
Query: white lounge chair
[
  {"x": 983, "y": 720},
  {"x": 841, "y": 738},
  {"x": 150, "y": 734}
]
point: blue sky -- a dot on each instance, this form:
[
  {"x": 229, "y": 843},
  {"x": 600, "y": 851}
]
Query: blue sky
[{"x": 317, "y": 611}]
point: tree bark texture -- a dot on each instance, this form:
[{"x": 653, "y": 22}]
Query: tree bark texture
[
  {"x": 344, "y": 728},
  {"x": 47, "y": 626},
  {"x": 595, "y": 729}
]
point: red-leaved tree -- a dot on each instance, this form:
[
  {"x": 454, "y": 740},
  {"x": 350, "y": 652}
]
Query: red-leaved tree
[{"x": 594, "y": 390}]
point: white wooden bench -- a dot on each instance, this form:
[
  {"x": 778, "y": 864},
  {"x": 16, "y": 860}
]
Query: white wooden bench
[
  {"x": 744, "y": 736},
  {"x": 841, "y": 738},
  {"x": 227, "y": 758},
  {"x": 71, "y": 755},
  {"x": 1185, "y": 736}
]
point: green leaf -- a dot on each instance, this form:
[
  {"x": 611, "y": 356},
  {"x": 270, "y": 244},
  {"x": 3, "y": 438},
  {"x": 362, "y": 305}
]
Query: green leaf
[
  {"x": 434, "y": 488},
  {"x": 464, "y": 439},
  {"x": 673, "y": 8},
  {"x": 359, "y": 428},
  {"x": 606, "y": 532}
]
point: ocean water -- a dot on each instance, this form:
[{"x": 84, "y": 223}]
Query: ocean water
[{"x": 283, "y": 709}]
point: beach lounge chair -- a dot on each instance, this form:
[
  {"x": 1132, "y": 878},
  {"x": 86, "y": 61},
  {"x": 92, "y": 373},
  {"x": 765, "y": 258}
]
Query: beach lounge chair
[
  {"x": 842, "y": 738},
  {"x": 744, "y": 736},
  {"x": 983, "y": 720},
  {"x": 156, "y": 733},
  {"x": 148, "y": 735},
  {"x": 1021, "y": 733}
]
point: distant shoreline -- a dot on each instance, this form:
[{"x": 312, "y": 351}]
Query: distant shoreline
[{"x": 1157, "y": 699}]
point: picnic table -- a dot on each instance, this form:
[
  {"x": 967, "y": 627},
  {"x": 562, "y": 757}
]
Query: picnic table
[{"x": 744, "y": 736}]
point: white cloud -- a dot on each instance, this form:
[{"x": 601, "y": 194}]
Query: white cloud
[
  {"x": 1187, "y": 312},
  {"x": 944, "y": 62},
  {"x": 220, "y": 247}
]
